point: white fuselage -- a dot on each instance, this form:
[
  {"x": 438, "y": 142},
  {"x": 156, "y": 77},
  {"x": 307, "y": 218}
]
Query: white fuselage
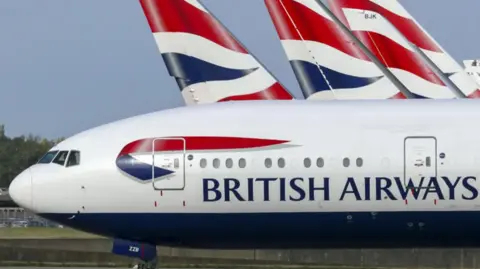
[{"x": 272, "y": 174}]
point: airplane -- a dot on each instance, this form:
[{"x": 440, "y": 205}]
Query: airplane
[
  {"x": 472, "y": 67},
  {"x": 234, "y": 175},
  {"x": 208, "y": 63},
  {"x": 387, "y": 21},
  {"x": 249, "y": 178},
  {"x": 327, "y": 62}
]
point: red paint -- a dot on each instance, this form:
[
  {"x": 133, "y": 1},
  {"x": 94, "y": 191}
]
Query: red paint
[
  {"x": 155, "y": 203},
  {"x": 406, "y": 202},
  {"x": 183, "y": 203},
  {"x": 274, "y": 92},
  {"x": 161, "y": 192},
  {"x": 435, "y": 201},
  {"x": 397, "y": 56},
  {"x": 179, "y": 16},
  {"x": 198, "y": 143},
  {"x": 406, "y": 26},
  {"x": 308, "y": 22}
]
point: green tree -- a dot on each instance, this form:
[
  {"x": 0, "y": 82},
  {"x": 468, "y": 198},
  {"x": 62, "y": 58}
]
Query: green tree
[{"x": 18, "y": 153}]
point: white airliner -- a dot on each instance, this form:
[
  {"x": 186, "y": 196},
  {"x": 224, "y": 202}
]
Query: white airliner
[{"x": 268, "y": 174}]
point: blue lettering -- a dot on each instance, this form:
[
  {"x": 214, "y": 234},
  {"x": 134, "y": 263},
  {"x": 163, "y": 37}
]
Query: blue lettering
[
  {"x": 266, "y": 187},
  {"x": 282, "y": 189},
  {"x": 451, "y": 187},
  {"x": 385, "y": 188},
  {"x": 298, "y": 189},
  {"x": 325, "y": 189},
  {"x": 471, "y": 188},
  {"x": 409, "y": 188},
  {"x": 214, "y": 189},
  {"x": 367, "y": 188},
  {"x": 433, "y": 187},
  {"x": 232, "y": 189},
  {"x": 354, "y": 189},
  {"x": 250, "y": 189}
]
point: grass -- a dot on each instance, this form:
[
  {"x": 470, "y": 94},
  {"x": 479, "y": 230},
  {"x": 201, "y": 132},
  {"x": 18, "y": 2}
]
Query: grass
[{"x": 40, "y": 233}]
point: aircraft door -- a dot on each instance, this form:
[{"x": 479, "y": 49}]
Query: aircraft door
[
  {"x": 168, "y": 159},
  {"x": 420, "y": 160}
]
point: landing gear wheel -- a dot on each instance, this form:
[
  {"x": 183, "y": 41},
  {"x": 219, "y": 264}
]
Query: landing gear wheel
[{"x": 147, "y": 265}]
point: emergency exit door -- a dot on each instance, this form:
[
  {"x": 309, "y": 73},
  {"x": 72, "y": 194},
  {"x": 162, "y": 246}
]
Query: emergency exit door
[{"x": 420, "y": 160}]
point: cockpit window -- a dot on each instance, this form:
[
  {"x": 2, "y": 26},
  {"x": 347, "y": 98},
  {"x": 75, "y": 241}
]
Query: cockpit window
[
  {"x": 48, "y": 157},
  {"x": 73, "y": 158},
  {"x": 61, "y": 157}
]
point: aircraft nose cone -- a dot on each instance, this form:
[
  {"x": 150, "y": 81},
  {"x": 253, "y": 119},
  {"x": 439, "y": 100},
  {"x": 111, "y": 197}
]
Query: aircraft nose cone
[{"x": 20, "y": 189}]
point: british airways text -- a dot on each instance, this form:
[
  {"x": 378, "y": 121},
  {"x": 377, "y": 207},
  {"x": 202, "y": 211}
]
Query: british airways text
[{"x": 319, "y": 189}]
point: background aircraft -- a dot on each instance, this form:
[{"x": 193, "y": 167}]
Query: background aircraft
[
  {"x": 387, "y": 23},
  {"x": 326, "y": 61},
  {"x": 207, "y": 61},
  {"x": 472, "y": 67}
]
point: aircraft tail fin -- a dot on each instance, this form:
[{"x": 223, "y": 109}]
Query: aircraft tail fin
[
  {"x": 472, "y": 67},
  {"x": 326, "y": 61},
  {"x": 414, "y": 33},
  {"x": 376, "y": 31},
  {"x": 208, "y": 62}
]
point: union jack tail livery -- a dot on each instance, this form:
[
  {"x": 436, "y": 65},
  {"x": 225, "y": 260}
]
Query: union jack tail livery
[
  {"x": 391, "y": 31},
  {"x": 208, "y": 62},
  {"x": 376, "y": 31},
  {"x": 325, "y": 60}
]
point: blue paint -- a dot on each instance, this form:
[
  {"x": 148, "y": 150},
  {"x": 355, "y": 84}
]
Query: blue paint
[
  {"x": 190, "y": 70},
  {"x": 285, "y": 230},
  {"x": 357, "y": 188},
  {"x": 312, "y": 81},
  {"x": 138, "y": 169},
  {"x": 145, "y": 252}
]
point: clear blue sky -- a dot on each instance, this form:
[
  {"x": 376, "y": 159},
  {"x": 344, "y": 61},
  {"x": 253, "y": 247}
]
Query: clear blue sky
[{"x": 66, "y": 66}]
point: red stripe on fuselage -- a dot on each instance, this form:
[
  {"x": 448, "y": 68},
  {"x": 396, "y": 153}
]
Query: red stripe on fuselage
[{"x": 197, "y": 143}]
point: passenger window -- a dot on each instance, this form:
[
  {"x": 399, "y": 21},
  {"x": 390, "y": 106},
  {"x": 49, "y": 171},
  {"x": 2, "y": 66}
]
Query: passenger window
[
  {"x": 320, "y": 162},
  {"x": 203, "y": 163},
  {"x": 216, "y": 163},
  {"x": 307, "y": 162},
  {"x": 229, "y": 163},
  {"x": 346, "y": 162},
  {"x": 48, "y": 157},
  {"x": 73, "y": 158},
  {"x": 242, "y": 163},
  {"x": 268, "y": 162},
  {"x": 61, "y": 157},
  {"x": 359, "y": 162},
  {"x": 281, "y": 162}
]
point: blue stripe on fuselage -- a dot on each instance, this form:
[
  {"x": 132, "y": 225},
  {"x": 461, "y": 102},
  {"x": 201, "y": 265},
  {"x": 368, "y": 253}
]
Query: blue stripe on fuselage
[
  {"x": 191, "y": 70},
  {"x": 285, "y": 230}
]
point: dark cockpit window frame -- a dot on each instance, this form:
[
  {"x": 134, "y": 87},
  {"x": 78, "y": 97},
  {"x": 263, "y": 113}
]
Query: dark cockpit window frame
[
  {"x": 61, "y": 158},
  {"x": 48, "y": 157},
  {"x": 73, "y": 159}
]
